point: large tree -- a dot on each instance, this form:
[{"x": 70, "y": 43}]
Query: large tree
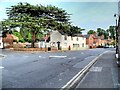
[
  {"x": 112, "y": 31},
  {"x": 101, "y": 32},
  {"x": 75, "y": 30},
  {"x": 91, "y": 32},
  {"x": 36, "y": 19}
]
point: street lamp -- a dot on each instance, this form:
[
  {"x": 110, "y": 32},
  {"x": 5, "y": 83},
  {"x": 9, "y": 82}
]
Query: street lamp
[
  {"x": 118, "y": 38},
  {"x": 117, "y": 16}
]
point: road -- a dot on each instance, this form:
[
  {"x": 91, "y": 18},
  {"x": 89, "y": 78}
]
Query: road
[{"x": 44, "y": 69}]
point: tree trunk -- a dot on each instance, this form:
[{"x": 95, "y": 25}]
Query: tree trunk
[{"x": 33, "y": 39}]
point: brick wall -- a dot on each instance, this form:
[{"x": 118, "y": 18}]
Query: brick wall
[{"x": 53, "y": 49}]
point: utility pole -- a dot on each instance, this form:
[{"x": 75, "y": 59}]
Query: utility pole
[{"x": 118, "y": 33}]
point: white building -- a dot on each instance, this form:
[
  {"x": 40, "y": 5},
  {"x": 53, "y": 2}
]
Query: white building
[
  {"x": 1, "y": 43},
  {"x": 65, "y": 42}
]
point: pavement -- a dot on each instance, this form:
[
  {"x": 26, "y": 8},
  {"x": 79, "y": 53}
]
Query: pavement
[{"x": 103, "y": 74}]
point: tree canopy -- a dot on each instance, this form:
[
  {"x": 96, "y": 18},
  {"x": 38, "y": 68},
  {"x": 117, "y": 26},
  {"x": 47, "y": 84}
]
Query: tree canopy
[
  {"x": 91, "y": 32},
  {"x": 35, "y": 18}
]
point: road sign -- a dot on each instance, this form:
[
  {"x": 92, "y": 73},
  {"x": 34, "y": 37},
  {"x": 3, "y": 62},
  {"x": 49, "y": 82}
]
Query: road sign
[{"x": 45, "y": 38}]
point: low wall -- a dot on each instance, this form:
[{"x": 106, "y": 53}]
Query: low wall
[
  {"x": 35, "y": 49},
  {"x": 30, "y": 49}
]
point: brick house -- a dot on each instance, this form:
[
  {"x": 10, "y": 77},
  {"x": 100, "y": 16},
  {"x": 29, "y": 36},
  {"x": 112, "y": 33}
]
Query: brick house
[
  {"x": 8, "y": 40},
  {"x": 89, "y": 40},
  {"x": 93, "y": 40}
]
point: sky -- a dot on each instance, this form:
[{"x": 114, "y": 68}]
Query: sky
[{"x": 87, "y": 14}]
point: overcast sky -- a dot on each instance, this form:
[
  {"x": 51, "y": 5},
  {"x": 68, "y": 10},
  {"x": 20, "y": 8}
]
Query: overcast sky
[{"x": 87, "y": 14}]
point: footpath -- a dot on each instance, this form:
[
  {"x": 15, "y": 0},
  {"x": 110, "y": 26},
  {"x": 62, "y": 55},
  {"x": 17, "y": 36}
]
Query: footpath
[{"x": 104, "y": 74}]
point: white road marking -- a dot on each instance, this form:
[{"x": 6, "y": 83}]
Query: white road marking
[
  {"x": 1, "y": 67},
  {"x": 116, "y": 55},
  {"x": 82, "y": 53},
  {"x": 41, "y": 57},
  {"x": 57, "y": 56},
  {"x": 60, "y": 79},
  {"x": 96, "y": 69},
  {"x": 72, "y": 58},
  {"x": 2, "y": 56}
]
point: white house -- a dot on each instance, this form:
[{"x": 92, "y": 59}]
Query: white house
[
  {"x": 65, "y": 42},
  {"x": 1, "y": 43}
]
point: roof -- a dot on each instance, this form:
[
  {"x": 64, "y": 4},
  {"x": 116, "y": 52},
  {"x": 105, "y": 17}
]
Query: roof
[
  {"x": 96, "y": 37},
  {"x": 87, "y": 36},
  {"x": 15, "y": 37},
  {"x": 79, "y": 35}
]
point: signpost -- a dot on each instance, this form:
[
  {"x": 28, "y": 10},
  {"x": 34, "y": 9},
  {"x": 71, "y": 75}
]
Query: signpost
[{"x": 45, "y": 38}]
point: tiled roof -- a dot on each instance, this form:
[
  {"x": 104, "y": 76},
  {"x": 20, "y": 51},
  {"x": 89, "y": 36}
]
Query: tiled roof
[{"x": 87, "y": 36}]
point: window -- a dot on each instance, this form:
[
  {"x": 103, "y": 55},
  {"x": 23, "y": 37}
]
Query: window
[
  {"x": 75, "y": 45},
  {"x": 65, "y": 44}
]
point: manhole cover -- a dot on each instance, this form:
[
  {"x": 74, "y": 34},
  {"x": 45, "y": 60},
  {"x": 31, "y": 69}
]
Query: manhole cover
[{"x": 96, "y": 69}]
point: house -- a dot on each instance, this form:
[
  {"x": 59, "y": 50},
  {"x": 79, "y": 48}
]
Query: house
[
  {"x": 64, "y": 42},
  {"x": 103, "y": 42},
  {"x": 90, "y": 40},
  {"x": 8, "y": 40},
  {"x": 93, "y": 40},
  {"x": 1, "y": 43},
  {"x": 78, "y": 42}
]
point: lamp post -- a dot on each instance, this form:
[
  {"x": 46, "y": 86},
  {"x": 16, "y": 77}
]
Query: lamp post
[
  {"x": 118, "y": 38},
  {"x": 116, "y": 15}
]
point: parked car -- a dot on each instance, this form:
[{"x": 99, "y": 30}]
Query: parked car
[
  {"x": 27, "y": 46},
  {"x": 100, "y": 46},
  {"x": 106, "y": 46}
]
